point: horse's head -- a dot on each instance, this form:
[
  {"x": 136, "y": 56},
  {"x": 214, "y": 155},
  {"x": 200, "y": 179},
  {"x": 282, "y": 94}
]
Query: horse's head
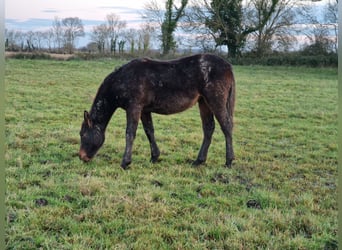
[{"x": 92, "y": 138}]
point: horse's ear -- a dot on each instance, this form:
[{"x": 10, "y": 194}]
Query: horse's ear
[{"x": 87, "y": 119}]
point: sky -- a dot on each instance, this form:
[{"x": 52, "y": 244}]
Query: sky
[
  {"x": 27, "y": 15},
  {"x": 38, "y": 14},
  {"x": 33, "y": 15},
  {"x": 84, "y": 9}
]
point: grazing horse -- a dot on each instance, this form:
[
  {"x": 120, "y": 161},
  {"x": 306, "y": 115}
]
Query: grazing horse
[{"x": 145, "y": 86}]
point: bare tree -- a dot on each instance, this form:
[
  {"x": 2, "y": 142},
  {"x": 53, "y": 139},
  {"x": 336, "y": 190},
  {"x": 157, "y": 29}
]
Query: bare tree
[
  {"x": 30, "y": 41},
  {"x": 115, "y": 27},
  {"x": 40, "y": 39},
  {"x": 20, "y": 38},
  {"x": 73, "y": 28},
  {"x": 331, "y": 17},
  {"x": 194, "y": 23},
  {"x": 11, "y": 40},
  {"x": 316, "y": 30},
  {"x": 100, "y": 36},
  {"x": 58, "y": 33},
  {"x": 145, "y": 35},
  {"x": 153, "y": 13},
  {"x": 131, "y": 36},
  {"x": 49, "y": 38},
  {"x": 277, "y": 30}
]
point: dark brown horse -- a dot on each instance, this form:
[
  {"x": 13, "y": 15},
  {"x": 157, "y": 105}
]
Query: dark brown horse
[{"x": 143, "y": 86}]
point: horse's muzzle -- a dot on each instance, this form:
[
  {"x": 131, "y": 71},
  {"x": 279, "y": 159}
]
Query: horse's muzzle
[{"x": 83, "y": 156}]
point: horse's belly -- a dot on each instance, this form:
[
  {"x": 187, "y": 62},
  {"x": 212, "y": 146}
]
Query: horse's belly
[{"x": 172, "y": 104}]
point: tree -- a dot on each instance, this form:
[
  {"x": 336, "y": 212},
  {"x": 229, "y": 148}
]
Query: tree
[
  {"x": 10, "y": 43},
  {"x": 121, "y": 46},
  {"x": 131, "y": 38},
  {"x": 114, "y": 26},
  {"x": 30, "y": 41},
  {"x": 49, "y": 38},
  {"x": 40, "y": 39},
  {"x": 100, "y": 36},
  {"x": 194, "y": 23},
  {"x": 318, "y": 29},
  {"x": 276, "y": 30},
  {"x": 167, "y": 21},
  {"x": 154, "y": 16},
  {"x": 57, "y": 33},
  {"x": 226, "y": 21},
  {"x": 169, "y": 25},
  {"x": 153, "y": 13},
  {"x": 73, "y": 28},
  {"x": 20, "y": 39},
  {"x": 145, "y": 35},
  {"x": 331, "y": 17}
]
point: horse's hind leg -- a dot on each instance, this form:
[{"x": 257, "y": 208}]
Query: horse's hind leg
[
  {"x": 226, "y": 123},
  {"x": 219, "y": 106},
  {"x": 208, "y": 125},
  {"x": 147, "y": 122}
]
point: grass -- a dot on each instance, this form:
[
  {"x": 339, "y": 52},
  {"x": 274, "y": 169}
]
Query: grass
[{"x": 280, "y": 194}]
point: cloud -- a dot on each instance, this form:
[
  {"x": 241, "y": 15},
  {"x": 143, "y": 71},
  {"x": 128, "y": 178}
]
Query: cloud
[
  {"x": 50, "y": 11},
  {"x": 121, "y": 9},
  {"x": 32, "y": 24}
]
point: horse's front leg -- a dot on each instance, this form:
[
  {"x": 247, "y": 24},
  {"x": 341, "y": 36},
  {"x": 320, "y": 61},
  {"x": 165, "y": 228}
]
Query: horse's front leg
[
  {"x": 132, "y": 116},
  {"x": 147, "y": 122}
]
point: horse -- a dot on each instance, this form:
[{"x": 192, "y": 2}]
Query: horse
[{"x": 144, "y": 86}]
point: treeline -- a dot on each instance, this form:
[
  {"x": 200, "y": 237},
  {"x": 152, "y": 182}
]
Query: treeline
[
  {"x": 60, "y": 38},
  {"x": 111, "y": 38},
  {"x": 262, "y": 31}
]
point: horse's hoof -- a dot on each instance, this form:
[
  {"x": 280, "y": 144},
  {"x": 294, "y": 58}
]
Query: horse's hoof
[
  {"x": 125, "y": 166},
  {"x": 229, "y": 164},
  {"x": 154, "y": 159},
  {"x": 197, "y": 163}
]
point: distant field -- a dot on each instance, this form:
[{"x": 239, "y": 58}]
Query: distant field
[{"x": 280, "y": 194}]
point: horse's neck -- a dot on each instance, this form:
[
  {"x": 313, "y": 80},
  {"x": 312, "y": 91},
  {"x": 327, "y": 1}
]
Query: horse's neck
[{"x": 101, "y": 112}]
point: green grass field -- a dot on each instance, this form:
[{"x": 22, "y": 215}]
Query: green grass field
[{"x": 280, "y": 194}]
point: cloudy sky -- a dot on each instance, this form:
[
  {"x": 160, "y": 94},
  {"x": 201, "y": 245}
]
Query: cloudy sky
[
  {"x": 27, "y": 15},
  {"x": 37, "y": 14}
]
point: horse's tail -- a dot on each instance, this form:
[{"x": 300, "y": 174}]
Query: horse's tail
[{"x": 231, "y": 96}]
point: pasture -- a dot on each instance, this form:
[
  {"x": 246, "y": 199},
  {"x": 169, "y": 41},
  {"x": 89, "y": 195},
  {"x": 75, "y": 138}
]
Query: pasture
[{"x": 281, "y": 192}]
